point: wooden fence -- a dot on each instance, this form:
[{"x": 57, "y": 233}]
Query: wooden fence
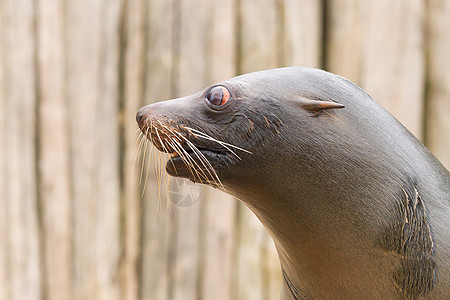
[{"x": 73, "y": 74}]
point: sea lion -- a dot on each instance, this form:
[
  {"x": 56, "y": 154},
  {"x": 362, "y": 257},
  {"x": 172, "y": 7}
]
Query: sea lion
[{"x": 357, "y": 207}]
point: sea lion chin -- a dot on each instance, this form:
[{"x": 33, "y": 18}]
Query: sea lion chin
[{"x": 358, "y": 208}]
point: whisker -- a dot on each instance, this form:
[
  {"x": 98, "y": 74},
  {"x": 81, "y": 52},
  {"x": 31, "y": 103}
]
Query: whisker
[
  {"x": 167, "y": 195},
  {"x": 148, "y": 171},
  {"x": 138, "y": 151},
  {"x": 185, "y": 157},
  {"x": 197, "y": 153},
  {"x": 168, "y": 202},
  {"x": 223, "y": 144},
  {"x": 139, "y": 138},
  {"x": 160, "y": 140},
  {"x": 143, "y": 158},
  {"x": 159, "y": 175},
  {"x": 196, "y": 162},
  {"x": 180, "y": 147},
  {"x": 188, "y": 157},
  {"x": 205, "y": 136},
  {"x": 173, "y": 165},
  {"x": 204, "y": 160},
  {"x": 193, "y": 163},
  {"x": 161, "y": 171}
]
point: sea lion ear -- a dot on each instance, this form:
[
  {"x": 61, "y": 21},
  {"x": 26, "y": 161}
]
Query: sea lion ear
[{"x": 318, "y": 105}]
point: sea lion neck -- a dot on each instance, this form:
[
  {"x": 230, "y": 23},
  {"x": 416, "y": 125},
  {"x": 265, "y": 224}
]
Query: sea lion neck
[{"x": 312, "y": 220}]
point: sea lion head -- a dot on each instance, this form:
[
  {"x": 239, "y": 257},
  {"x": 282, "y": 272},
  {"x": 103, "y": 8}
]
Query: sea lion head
[{"x": 238, "y": 129}]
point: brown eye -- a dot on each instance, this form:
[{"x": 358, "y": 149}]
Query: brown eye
[{"x": 218, "y": 95}]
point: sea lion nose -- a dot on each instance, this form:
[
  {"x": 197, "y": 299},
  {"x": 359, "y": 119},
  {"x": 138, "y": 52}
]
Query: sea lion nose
[
  {"x": 148, "y": 111},
  {"x": 141, "y": 114}
]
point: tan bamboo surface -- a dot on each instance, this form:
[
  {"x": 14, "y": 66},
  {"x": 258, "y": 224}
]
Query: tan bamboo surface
[{"x": 75, "y": 219}]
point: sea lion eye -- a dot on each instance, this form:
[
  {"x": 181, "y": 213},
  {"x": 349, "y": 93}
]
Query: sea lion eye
[{"x": 218, "y": 95}]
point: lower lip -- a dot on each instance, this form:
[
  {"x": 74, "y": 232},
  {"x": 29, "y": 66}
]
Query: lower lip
[
  {"x": 194, "y": 155},
  {"x": 209, "y": 155}
]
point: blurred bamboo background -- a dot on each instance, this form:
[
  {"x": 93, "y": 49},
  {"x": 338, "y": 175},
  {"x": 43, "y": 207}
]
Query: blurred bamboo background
[{"x": 73, "y": 74}]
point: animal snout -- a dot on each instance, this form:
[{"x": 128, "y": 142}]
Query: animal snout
[
  {"x": 148, "y": 111},
  {"x": 141, "y": 114}
]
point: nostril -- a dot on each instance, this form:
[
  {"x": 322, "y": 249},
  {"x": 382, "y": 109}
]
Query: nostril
[
  {"x": 140, "y": 115},
  {"x": 145, "y": 112}
]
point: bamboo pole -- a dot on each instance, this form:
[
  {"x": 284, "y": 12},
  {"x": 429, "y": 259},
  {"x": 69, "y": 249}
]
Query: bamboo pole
[
  {"x": 92, "y": 61},
  {"x": 157, "y": 228},
  {"x": 438, "y": 106},
  {"x": 24, "y": 265},
  {"x": 218, "y": 240},
  {"x": 54, "y": 172},
  {"x": 380, "y": 46},
  {"x": 132, "y": 68},
  {"x": 259, "y": 49}
]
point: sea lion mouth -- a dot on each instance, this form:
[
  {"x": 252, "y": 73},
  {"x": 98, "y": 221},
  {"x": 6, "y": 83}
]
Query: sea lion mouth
[
  {"x": 194, "y": 154},
  {"x": 202, "y": 165}
]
